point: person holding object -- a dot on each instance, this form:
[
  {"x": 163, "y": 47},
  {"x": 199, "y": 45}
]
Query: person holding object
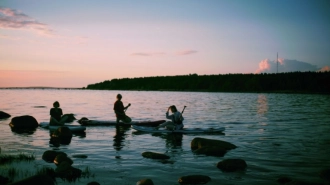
[
  {"x": 120, "y": 110},
  {"x": 176, "y": 118},
  {"x": 56, "y": 115}
]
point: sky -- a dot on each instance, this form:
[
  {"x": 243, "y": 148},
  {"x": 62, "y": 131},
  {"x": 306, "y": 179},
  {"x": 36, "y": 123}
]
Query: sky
[{"x": 76, "y": 43}]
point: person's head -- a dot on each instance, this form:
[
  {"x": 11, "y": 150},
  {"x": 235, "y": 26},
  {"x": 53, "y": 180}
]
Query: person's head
[
  {"x": 119, "y": 96},
  {"x": 173, "y": 108},
  {"x": 56, "y": 104}
]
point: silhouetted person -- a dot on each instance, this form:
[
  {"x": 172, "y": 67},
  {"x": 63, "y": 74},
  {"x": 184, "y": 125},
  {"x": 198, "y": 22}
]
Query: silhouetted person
[
  {"x": 120, "y": 110},
  {"x": 56, "y": 115},
  {"x": 176, "y": 118}
]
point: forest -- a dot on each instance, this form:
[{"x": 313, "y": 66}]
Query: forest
[{"x": 292, "y": 82}]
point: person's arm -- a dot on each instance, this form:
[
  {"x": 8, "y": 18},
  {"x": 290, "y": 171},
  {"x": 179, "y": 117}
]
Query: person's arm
[
  {"x": 169, "y": 116},
  {"x": 127, "y": 106}
]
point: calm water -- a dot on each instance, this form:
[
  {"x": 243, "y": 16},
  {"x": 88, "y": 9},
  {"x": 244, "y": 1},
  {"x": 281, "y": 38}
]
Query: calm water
[{"x": 276, "y": 134}]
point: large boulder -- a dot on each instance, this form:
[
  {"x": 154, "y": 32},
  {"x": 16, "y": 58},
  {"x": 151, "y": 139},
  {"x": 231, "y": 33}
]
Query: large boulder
[
  {"x": 4, "y": 115},
  {"x": 194, "y": 179},
  {"x": 153, "y": 155},
  {"x": 203, "y": 142},
  {"x": 232, "y": 165},
  {"x": 23, "y": 122}
]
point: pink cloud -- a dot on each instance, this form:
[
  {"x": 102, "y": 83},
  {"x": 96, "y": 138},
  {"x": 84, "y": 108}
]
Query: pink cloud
[
  {"x": 324, "y": 69},
  {"x": 147, "y": 54},
  {"x": 263, "y": 66},
  {"x": 186, "y": 52},
  {"x": 12, "y": 19},
  {"x": 284, "y": 65}
]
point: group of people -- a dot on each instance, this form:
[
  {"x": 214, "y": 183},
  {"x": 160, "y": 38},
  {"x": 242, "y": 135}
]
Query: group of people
[{"x": 176, "y": 123}]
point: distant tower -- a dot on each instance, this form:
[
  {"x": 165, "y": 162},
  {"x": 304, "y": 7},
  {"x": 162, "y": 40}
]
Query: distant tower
[{"x": 277, "y": 63}]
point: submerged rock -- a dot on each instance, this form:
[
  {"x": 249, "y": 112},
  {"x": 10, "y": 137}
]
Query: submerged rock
[
  {"x": 194, "y": 179},
  {"x": 60, "y": 158},
  {"x": 62, "y": 135},
  {"x": 4, "y": 115},
  {"x": 211, "y": 151},
  {"x": 50, "y": 155},
  {"x": 325, "y": 174},
  {"x": 198, "y": 142},
  {"x": 231, "y": 165},
  {"x": 93, "y": 183},
  {"x": 145, "y": 182},
  {"x": 153, "y": 155},
  {"x": 82, "y": 156}
]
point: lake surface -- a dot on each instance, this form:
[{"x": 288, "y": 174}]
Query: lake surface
[{"x": 276, "y": 134}]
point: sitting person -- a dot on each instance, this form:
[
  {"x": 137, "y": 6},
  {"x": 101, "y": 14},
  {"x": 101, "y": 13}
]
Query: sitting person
[
  {"x": 176, "y": 122},
  {"x": 56, "y": 113},
  {"x": 120, "y": 110}
]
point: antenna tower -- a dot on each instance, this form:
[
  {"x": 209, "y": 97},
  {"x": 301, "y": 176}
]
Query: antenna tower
[{"x": 277, "y": 63}]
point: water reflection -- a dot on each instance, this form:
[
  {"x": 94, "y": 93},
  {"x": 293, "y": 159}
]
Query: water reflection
[
  {"x": 172, "y": 140},
  {"x": 262, "y": 104},
  {"x": 25, "y": 131},
  {"x": 119, "y": 138}
]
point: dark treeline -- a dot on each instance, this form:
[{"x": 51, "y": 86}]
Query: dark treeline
[{"x": 293, "y": 82}]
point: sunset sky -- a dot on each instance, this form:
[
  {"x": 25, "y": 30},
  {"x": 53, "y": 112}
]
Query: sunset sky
[{"x": 76, "y": 43}]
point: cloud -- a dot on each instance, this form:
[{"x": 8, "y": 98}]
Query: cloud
[
  {"x": 284, "y": 65},
  {"x": 186, "y": 52},
  {"x": 324, "y": 69},
  {"x": 147, "y": 54},
  {"x": 13, "y": 19}
]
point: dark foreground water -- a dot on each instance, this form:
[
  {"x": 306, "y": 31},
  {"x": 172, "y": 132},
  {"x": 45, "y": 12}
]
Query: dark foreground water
[{"x": 276, "y": 134}]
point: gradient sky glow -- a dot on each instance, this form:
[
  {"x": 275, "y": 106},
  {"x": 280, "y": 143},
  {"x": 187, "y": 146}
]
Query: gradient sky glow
[{"x": 76, "y": 43}]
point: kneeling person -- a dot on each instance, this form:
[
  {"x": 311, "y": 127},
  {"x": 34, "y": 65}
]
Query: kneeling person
[{"x": 176, "y": 118}]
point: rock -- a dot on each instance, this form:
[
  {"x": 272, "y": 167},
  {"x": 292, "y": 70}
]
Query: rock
[
  {"x": 62, "y": 135},
  {"x": 80, "y": 156},
  {"x": 36, "y": 180},
  {"x": 231, "y": 165},
  {"x": 297, "y": 182},
  {"x": 145, "y": 182},
  {"x": 3, "y": 180},
  {"x": 202, "y": 142},
  {"x": 325, "y": 174},
  {"x": 194, "y": 179},
  {"x": 65, "y": 170},
  {"x": 60, "y": 158},
  {"x": 4, "y": 115},
  {"x": 153, "y": 155},
  {"x": 284, "y": 180},
  {"x": 211, "y": 151},
  {"x": 50, "y": 155},
  {"x": 22, "y": 122},
  {"x": 83, "y": 120},
  {"x": 93, "y": 183}
]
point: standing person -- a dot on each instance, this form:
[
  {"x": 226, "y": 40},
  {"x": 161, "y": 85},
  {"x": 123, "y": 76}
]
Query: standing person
[
  {"x": 120, "y": 110},
  {"x": 176, "y": 118},
  {"x": 56, "y": 115}
]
